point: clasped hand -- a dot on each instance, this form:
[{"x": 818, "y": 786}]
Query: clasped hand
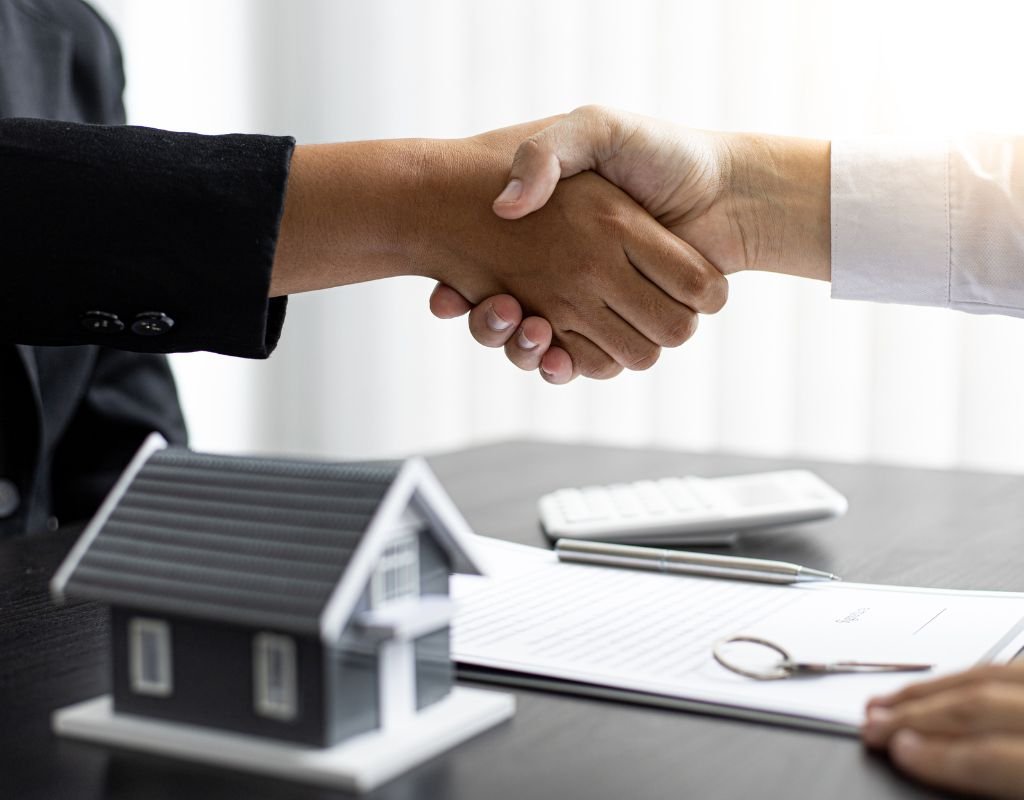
[
  {"x": 710, "y": 203},
  {"x": 622, "y": 280}
]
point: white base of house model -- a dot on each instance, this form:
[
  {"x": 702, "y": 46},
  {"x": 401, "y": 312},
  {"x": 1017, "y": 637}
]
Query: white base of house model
[{"x": 358, "y": 764}]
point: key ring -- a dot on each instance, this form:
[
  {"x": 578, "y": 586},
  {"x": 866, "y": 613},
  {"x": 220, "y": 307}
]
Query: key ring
[
  {"x": 781, "y": 670},
  {"x": 786, "y": 666}
]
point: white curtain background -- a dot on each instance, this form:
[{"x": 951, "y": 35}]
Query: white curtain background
[{"x": 365, "y": 371}]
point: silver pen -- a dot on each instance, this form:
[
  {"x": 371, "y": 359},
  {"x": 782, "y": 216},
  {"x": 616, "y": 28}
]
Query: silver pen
[{"x": 683, "y": 562}]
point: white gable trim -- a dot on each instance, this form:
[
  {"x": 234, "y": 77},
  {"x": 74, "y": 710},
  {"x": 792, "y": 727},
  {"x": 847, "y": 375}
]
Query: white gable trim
[
  {"x": 154, "y": 442},
  {"x": 414, "y": 480},
  {"x": 447, "y": 521}
]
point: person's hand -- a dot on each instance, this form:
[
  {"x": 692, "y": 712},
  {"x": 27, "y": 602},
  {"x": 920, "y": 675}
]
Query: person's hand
[
  {"x": 964, "y": 732},
  {"x": 613, "y": 284},
  {"x": 743, "y": 201}
]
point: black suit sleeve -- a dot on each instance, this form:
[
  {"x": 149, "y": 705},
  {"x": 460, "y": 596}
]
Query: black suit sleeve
[{"x": 126, "y": 221}]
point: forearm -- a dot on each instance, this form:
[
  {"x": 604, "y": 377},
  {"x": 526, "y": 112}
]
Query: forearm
[{"x": 779, "y": 202}]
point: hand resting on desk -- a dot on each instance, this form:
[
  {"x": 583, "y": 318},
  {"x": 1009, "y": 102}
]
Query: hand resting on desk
[{"x": 963, "y": 732}]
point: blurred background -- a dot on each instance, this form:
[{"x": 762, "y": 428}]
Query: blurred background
[{"x": 366, "y": 371}]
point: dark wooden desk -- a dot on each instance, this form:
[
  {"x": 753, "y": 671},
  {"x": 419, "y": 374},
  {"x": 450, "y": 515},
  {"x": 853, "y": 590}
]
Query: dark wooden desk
[{"x": 931, "y": 528}]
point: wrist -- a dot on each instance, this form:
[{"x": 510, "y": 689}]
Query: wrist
[
  {"x": 449, "y": 201},
  {"x": 350, "y": 214},
  {"x": 779, "y": 200}
]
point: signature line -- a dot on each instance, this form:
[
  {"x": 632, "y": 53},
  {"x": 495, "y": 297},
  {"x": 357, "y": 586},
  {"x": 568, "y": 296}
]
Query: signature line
[{"x": 929, "y": 622}]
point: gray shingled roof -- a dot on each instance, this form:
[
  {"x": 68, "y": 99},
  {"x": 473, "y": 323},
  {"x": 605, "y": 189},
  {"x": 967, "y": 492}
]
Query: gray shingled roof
[{"x": 250, "y": 541}]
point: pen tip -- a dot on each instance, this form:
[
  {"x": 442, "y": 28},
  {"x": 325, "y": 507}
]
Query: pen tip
[{"x": 834, "y": 578}]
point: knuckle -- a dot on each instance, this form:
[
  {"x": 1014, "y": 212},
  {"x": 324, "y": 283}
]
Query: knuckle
[
  {"x": 970, "y": 705},
  {"x": 600, "y": 369},
  {"x": 988, "y": 697},
  {"x": 590, "y": 111},
  {"x": 633, "y": 351},
  {"x": 563, "y": 310},
  {"x": 716, "y": 293},
  {"x": 679, "y": 329},
  {"x": 708, "y": 287},
  {"x": 972, "y": 696},
  {"x": 646, "y": 360}
]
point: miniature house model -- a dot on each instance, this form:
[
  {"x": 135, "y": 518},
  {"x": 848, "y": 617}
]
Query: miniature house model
[{"x": 291, "y": 602}]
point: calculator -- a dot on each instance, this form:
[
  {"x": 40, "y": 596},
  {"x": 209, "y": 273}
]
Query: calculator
[{"x": 688, "y": 510}]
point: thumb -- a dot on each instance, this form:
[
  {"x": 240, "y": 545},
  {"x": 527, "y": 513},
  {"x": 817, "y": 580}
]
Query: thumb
[{"x": 559, "y": 151}]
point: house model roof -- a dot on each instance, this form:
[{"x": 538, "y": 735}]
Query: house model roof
[{"x": 262, "y": 542}]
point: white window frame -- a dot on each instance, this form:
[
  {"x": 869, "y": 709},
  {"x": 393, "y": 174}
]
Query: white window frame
[
  {"x": 397, "y": 575},
  {"x": 282, "y": 702},
  {"x": 139, "y": 628}
]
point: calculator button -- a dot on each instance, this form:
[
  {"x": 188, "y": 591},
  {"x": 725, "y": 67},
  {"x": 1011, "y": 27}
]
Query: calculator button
[
  {"x": 679, "y": 494},
  {"x": 572, "y": 505},
  {"x": 650, "y": 495},
  {"x": 625, "y": 500},
  {"x": 598, "y": 503},
  {"x": 708, "y": 494},
  {"x": 764, "y": 493}
]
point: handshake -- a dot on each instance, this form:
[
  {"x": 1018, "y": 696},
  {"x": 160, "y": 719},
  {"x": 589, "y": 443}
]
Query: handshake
[
  {"x": 582, "y": 244},
  {"x": 614, "y": 231}
]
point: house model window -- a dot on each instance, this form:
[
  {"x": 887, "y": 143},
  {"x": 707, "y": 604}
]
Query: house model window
[
  {"x": 398, "y": 572},
  {"x": 150, "y": 657},
  {"x": 274, "y": 676}
]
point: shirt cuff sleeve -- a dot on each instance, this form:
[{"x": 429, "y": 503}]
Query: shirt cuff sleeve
[{"x": 890, "y": 221}]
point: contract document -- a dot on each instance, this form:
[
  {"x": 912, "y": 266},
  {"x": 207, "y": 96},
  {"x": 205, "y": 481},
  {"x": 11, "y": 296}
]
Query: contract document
[{"x": 648, "y": 637}]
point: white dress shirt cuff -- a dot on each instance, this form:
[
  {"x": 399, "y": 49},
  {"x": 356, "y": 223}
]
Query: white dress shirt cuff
[{"x": 890, "y": 221}]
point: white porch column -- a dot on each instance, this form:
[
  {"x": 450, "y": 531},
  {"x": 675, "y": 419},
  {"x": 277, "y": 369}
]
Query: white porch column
[{"x": 397, "y": 675}]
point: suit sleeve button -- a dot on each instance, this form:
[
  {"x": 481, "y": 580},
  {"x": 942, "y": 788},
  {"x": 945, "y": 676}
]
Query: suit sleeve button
[
  {"x": 101, "y": 322},
  {"x": 151, "y": 323}
]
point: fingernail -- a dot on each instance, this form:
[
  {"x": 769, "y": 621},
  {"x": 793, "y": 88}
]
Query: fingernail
[
  {"x": 495, "y": 322},
  {"x": 906, "y": 744},
  {"x": 524, "y": 342},
  {"x": 512, "y": 192}
]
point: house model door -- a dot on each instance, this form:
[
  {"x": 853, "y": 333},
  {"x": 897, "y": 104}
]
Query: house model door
[{"x": 397, "y": 581}]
